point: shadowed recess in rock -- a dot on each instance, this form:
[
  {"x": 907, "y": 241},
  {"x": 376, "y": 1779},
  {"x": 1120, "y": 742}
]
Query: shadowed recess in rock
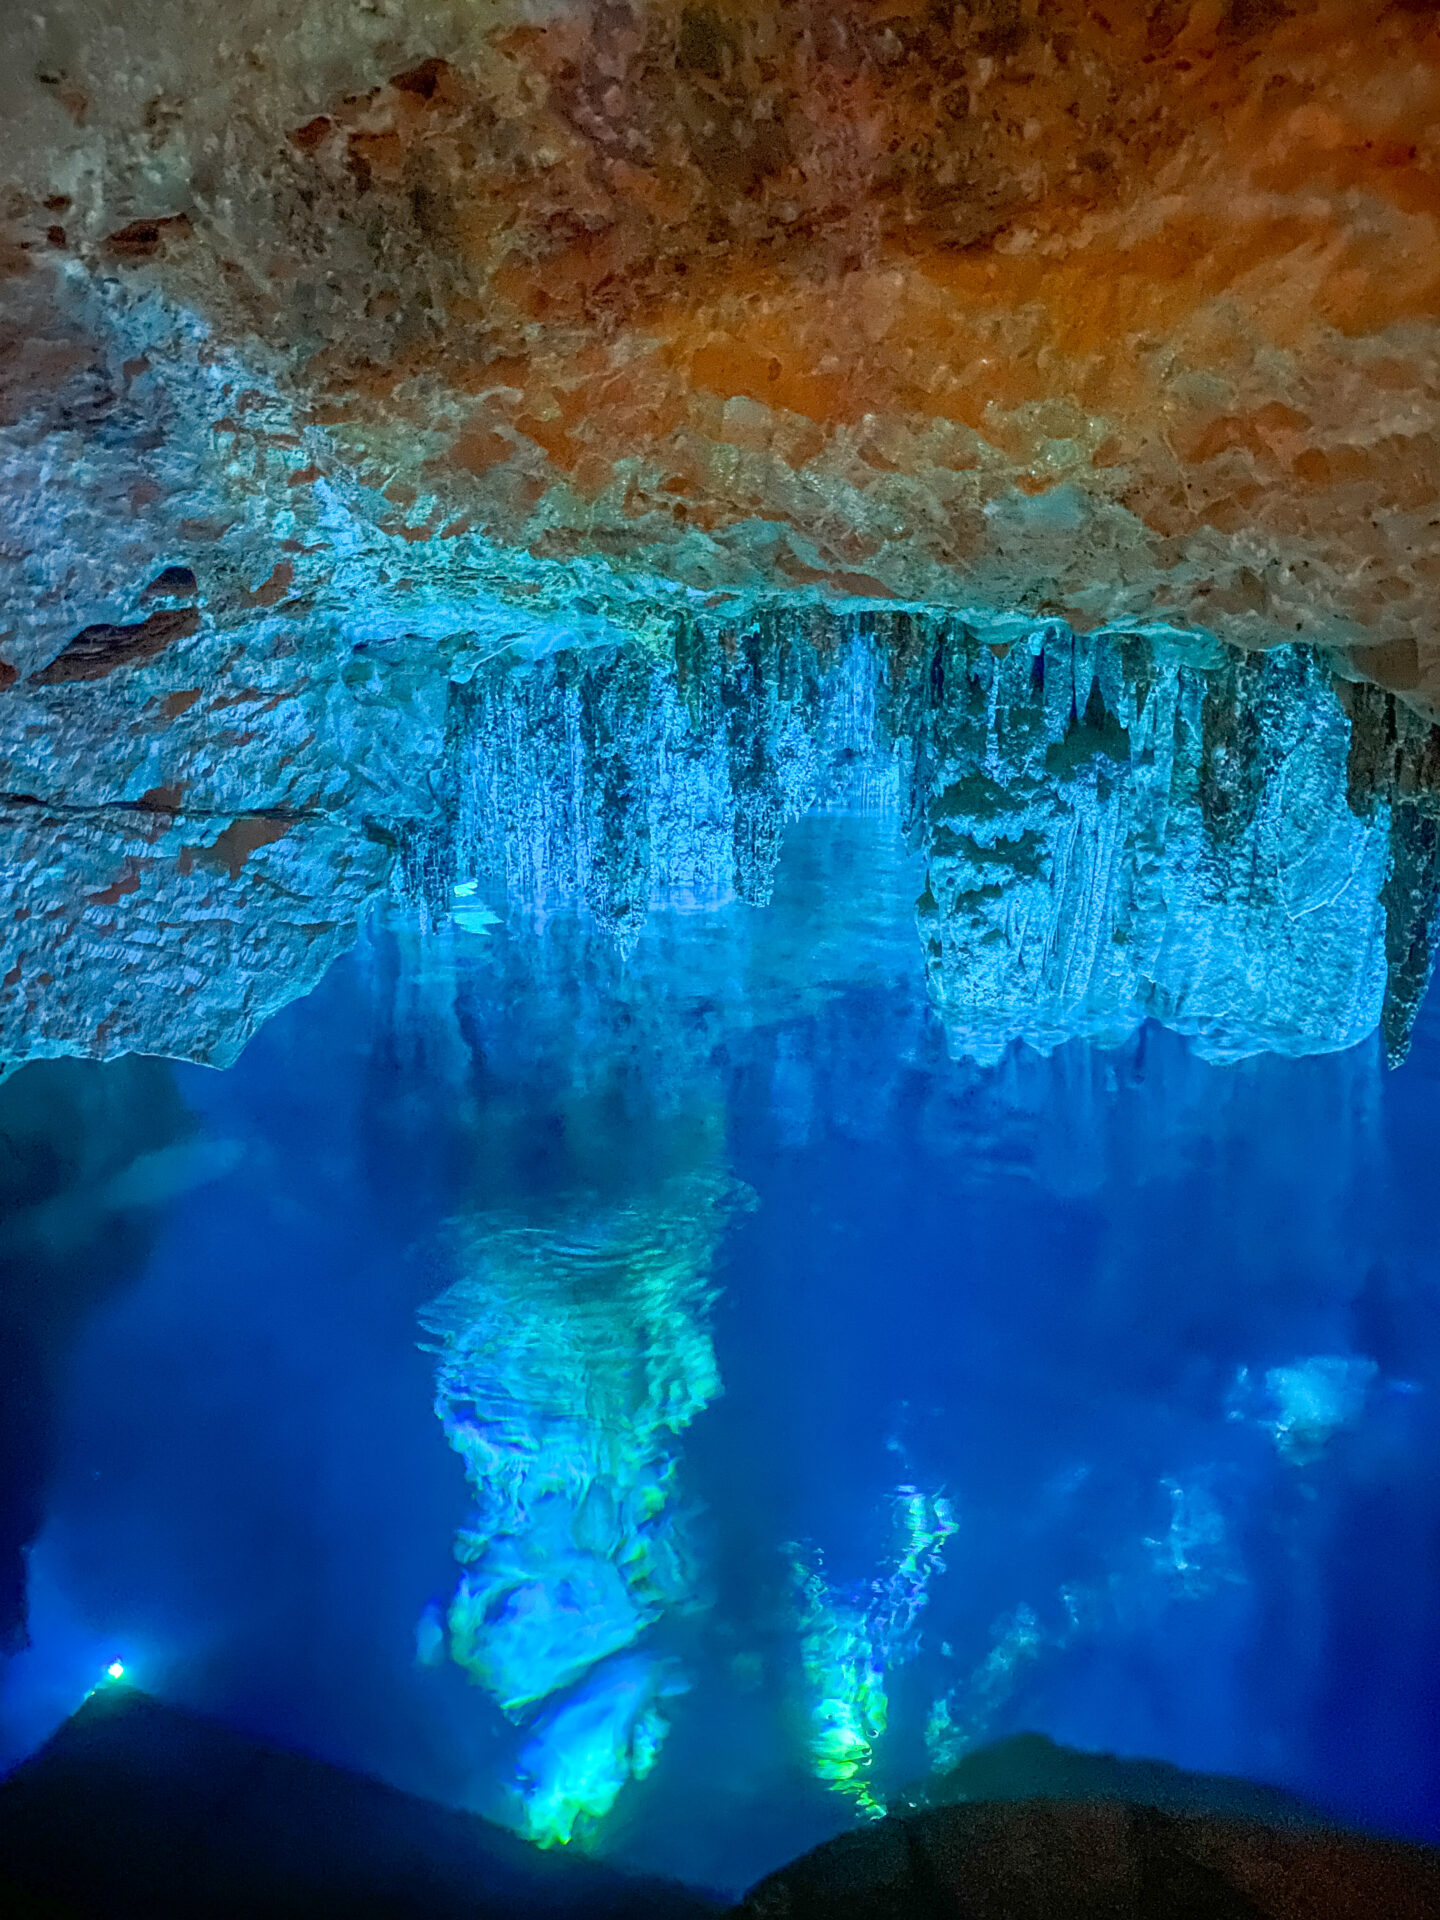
[{"x": 89, "y": 1156}]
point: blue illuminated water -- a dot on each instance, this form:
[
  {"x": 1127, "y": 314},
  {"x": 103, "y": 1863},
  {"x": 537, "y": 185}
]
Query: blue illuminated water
[{"x": 1157, "y": 1339}]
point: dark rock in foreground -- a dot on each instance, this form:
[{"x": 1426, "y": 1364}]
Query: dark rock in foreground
[
  {"x": 135, "y": 1808},
  {"x": 138, "y": 1809},
  {"x": 1111, "y": 1840}
]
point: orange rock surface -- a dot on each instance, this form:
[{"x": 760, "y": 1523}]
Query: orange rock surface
[{"x": 1114, "y": 311}]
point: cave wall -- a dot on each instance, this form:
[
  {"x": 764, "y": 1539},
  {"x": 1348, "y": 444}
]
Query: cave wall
[
  {"x": 345, "y": 350},
  {"x": 1125, "y": 314}
]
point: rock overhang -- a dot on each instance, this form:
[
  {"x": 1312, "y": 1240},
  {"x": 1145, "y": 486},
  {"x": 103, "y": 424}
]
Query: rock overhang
[
  {"x": 349, "y": 350},
  {"x": 1027, "y": 304}
]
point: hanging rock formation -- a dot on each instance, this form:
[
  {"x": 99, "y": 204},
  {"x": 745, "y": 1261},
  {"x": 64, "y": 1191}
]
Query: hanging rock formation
[
  {"x": 1113, "y": 832},
  {"x": 345, "y": 348},
  {"x": 1116, "y": 838},
  {"x": 1115, "y": 828}
]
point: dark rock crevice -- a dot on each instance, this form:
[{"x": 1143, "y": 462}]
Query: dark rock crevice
[{"x": 100, "y": 650}]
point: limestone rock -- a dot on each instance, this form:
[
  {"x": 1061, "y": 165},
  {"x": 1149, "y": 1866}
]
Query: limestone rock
[
  {"x": 1114, "y": 832},
  {"x": 1120, "y": 315},
  {"x": 348, "y": 350},
  {"x": 1112, "y": 839},
  {"x": 1116, "y": 828}
]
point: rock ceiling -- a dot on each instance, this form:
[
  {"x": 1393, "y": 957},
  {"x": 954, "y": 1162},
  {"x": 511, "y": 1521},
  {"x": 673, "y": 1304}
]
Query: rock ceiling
[{"x": 345, "y": 346}]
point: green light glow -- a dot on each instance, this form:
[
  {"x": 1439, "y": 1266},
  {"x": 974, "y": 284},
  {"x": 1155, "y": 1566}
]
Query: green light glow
[
  {"x": 604, "y": 1732},
  {"x": 570, "y": 1357},
  {"x": 847, "y": 1645}
]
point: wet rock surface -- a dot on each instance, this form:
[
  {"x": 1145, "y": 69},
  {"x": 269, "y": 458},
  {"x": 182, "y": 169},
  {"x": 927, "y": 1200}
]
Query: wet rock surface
[
  {"x": 1114, "y": 840},
  {"x": 1114, "y": 831},
  {"x": 93, "y": 1824},
  {"x": 345, "y": 352},
  {"x": 1117, "y": 827}
]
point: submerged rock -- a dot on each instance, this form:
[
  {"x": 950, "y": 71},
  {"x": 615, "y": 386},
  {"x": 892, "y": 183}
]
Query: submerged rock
[
  {"x": 1026, "y": 1829},
  {"x": 138, "y": 1807},
  {"x": 1305, "y": 1404}
]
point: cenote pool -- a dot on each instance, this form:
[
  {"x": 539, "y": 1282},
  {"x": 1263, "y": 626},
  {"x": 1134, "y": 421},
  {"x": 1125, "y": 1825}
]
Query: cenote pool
[
  {"x": 719, "y": 890},
  {"x": 664, "y": 1395}
]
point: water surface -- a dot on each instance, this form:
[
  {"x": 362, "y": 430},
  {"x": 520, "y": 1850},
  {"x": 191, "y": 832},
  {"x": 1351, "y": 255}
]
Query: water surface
[{"x": 814, "y": 1406}]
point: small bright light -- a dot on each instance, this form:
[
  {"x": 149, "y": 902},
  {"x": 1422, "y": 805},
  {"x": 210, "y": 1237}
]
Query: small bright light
[{"x": 116, "y": 1670}]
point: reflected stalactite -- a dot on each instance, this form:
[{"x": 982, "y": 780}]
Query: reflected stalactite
[
  {"x": 627, "y": 780},
  {"x": 571, "y": 1356},
  {"x": 1119, "y": 825},
  {"x": 605, "y": 1732},
  {"x": 1395, "y": 770}
]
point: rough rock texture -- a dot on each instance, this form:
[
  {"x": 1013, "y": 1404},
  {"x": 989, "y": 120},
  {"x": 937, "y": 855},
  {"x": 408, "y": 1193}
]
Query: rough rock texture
[
  {"x": 1112, "y": 832},
  {"x": 1116, "y": 837},
  {"x": 1124, "y": 312},
  {"x": 1395, "y": 757},
  {"x": 1115, "y": 829},
  {"x": 636, "y": 781},
  {"x": 1038, "y": 1860},
  {"x": 135, "y": 935},
  {"x": 345, "y": 347}
]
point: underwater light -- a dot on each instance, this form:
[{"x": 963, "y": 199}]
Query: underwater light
[
  {"x": 110, "y": 1677},
  {"x": 468, "y": 913}
]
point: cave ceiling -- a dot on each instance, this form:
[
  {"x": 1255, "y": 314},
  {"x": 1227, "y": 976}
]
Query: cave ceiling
[{"x": 345, "y": 349}]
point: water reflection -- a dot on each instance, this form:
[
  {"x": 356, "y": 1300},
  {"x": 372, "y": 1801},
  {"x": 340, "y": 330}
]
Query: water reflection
[
  {"x": 848, "y": 1347},
  {"x": 571, "y": 1357},
  {"x": 1102, "y": 1305},
  {"x": 850, "y": 1642}
]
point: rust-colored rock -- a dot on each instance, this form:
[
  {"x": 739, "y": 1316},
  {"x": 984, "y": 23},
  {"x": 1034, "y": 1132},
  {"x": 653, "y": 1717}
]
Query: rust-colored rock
[
  {"x": 385, "y": 342},
  {"x": 101, "y": 649},
  {"x": 1123, "y": 312}
]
